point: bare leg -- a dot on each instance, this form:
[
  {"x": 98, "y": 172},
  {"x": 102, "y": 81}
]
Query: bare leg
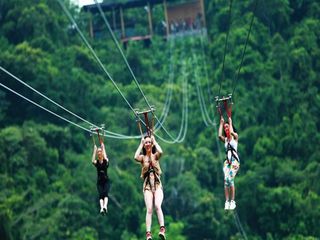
[
  {"x": 105, "y": 205},
  {"x": 226, "y": 193},
  {"x": 232, "y": 192},
  {"x": 101, "y": 203},
  {"x": 226, "y": 172},
  {"x": 235, "y": 168},
  {"x": 148, "y": 199},
  {"x": 157, "y": 203}
]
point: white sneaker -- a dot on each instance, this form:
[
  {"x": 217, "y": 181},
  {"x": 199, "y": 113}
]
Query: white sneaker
[
  {"x": 226, "y": 205},
  {"x": 101, "y": 211},
  {"x": 105, "y": 210},
  {"x": 148, "y": 235},
  {"x": 162, "y": 233},
  {"x": 232, "y": 205}
]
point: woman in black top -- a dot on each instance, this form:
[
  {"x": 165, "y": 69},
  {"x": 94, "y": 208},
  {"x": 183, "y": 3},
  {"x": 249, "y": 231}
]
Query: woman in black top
[{"x": 103, "y": 185}]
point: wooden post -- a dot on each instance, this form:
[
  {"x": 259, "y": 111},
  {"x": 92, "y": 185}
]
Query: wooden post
[
  {"x": 166, "y": 15},
  {"x": 150, "y": 19},
  {"x": 122, "y": 23},
  {"x": 203, "y": 14}
]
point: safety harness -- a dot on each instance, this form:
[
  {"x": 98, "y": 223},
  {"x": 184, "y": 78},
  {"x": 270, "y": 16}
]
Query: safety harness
[
  {"x": 147, "y": 178},
  {"x": 233, "y": 152}
]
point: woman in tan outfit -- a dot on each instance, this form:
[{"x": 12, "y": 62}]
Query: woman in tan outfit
[{"x": 152, "y": 187}]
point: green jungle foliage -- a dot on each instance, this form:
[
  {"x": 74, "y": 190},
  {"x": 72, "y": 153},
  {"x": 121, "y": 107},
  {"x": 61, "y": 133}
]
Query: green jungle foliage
[{"x": 48, "y": 184}]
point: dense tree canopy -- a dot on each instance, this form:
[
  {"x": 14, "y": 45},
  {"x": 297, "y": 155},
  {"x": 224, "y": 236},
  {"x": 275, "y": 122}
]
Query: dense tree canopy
[{"x": 47, "y": 182}]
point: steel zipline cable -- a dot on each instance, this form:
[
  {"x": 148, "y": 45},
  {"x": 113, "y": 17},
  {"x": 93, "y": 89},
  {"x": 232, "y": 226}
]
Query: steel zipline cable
[
  {"x": 107, "y": 133},
  {"x": 184, "y": 115},
  {"x": 235, "y": 80},
  {"x": 129, "y": 68},
  {"x": 121, "y": 52},
  {"x": 184, "y": 118},
  {"x": 237, "y": 74},
  {"x": 95, "y": 55},
  {"x": 204, "y": 112},
  {"x": 244, "y": 49},
  {"x": 43, "y": 108},
  {"x": 206, "y": 72},
  {"x": 225, "y": 47},
  {"x": 171, "y": 76},
  {"x": 101, "y": 65},
  {"x": 183, "y": 129},
  {"x": 201, "y": 100},
  {"x": 239, "y": 225},
  {"x": 203, "y": 107},
  {"x": 109, "y": 76}
]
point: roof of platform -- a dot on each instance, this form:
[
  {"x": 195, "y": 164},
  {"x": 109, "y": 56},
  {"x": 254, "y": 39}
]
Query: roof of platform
[{"x": 112, "y": 4}]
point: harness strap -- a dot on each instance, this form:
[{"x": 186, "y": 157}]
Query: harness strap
[
  {"x": 234, "y": 153},
  {"x": 147, "y": 176},
  {"x": 147, "y": 124},
  {"x": 228, "y": 108}
]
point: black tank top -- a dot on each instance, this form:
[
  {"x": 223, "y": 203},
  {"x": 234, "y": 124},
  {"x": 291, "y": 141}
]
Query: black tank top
[{"x": 102, "y": 172}]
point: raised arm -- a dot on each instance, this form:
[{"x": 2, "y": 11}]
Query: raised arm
[
  {"x": 221, "y": 137},
  {"x": 104, "y": 152},
  {"x": 137, "y": 156},
  {"x": 93, "y": 160},
  {"x": 158, "y": 148},
  {"x": 234, "y": 134}
]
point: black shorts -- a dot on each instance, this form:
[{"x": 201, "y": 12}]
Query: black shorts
[{"x": 103, "y": 189}]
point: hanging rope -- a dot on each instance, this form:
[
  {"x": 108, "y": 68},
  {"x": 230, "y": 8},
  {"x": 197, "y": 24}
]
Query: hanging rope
[
  {"x": 225, "y": 48},
  {"x": 210, "y": 95},
  {"x": 129, "y": 68},
  {"x": 108, "y": 133},
  {"x": 244, "y": 49},
  {"x": 97, "y": 58},
  {"x": 94, "y": 53},
  {"x": 184, "y": 118},
  {"x": 239, "y": 225},
  {"x": 171, "y": 76},
  {"x": 121, "y": 52},
  {"x": 109, "y": 76},
  {"x": 38, "y": 105},
  {"x": 203, "y": 107}
]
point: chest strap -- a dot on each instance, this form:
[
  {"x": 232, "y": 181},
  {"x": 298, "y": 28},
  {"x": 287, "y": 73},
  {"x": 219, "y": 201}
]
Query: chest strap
[{"x": 234, "y": 153}]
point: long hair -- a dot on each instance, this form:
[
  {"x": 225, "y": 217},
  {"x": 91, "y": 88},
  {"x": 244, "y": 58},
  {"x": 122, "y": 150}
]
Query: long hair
[
  {"x": 234, "y": 129},
  {"x": 153, "y": 150}
]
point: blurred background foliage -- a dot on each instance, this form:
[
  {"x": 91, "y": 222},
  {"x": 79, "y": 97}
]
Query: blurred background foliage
[{"x": 47, "y": 182}]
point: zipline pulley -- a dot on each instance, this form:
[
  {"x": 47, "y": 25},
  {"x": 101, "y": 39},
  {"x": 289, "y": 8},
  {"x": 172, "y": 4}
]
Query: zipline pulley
[
  {"x": 97, "y": 130},
  {"x": 149, "y": 124},
  {"x": 224, "y": 105}
]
